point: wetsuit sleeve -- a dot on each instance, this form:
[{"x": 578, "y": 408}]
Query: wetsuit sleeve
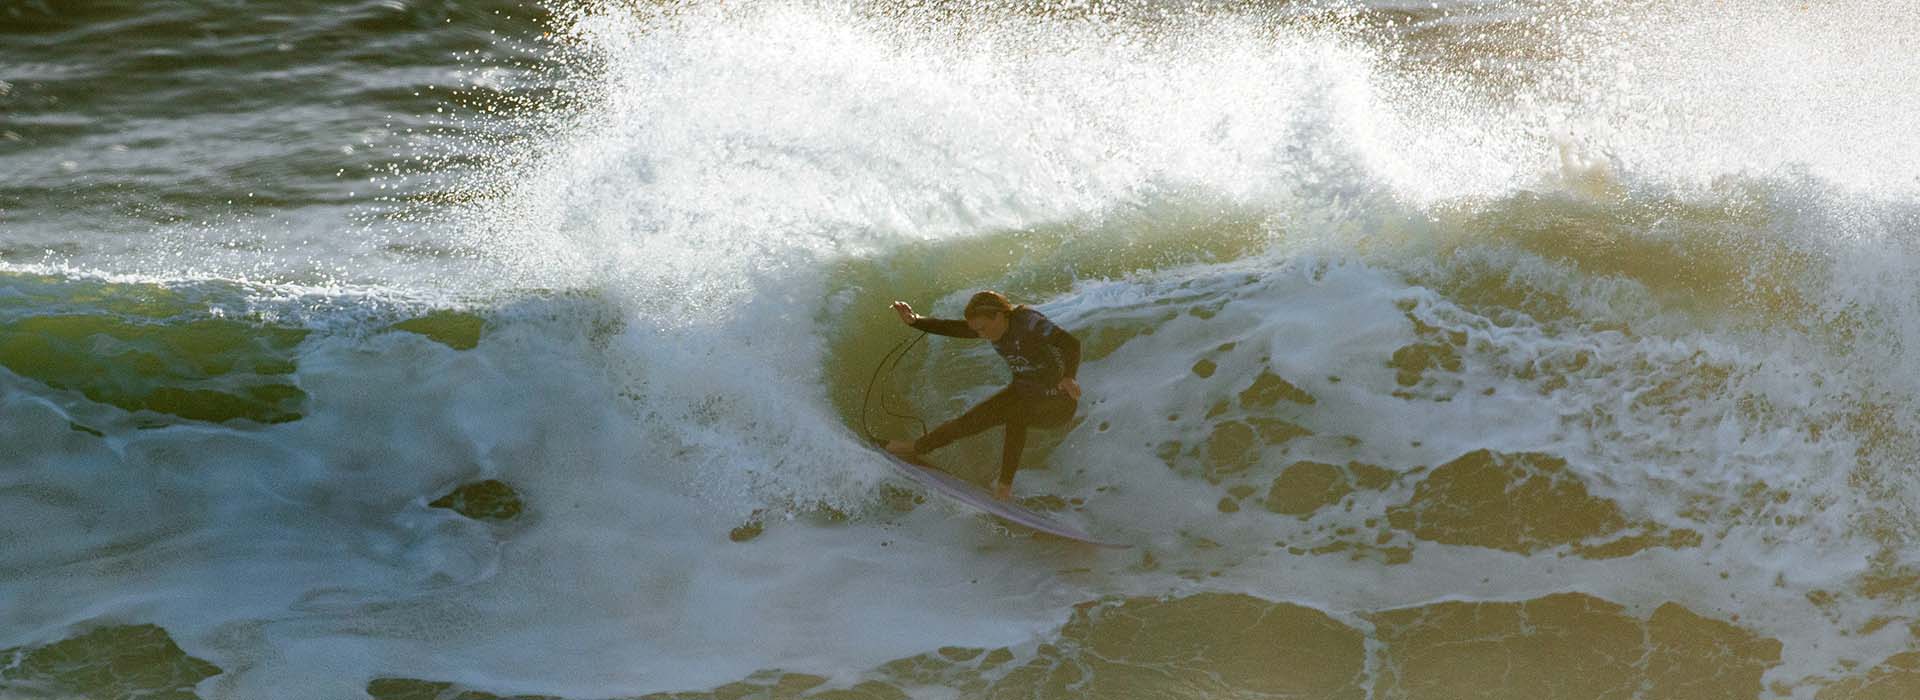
[
  {"x": 1069, "y": 350},
  {"x": 945, "y": 326}
]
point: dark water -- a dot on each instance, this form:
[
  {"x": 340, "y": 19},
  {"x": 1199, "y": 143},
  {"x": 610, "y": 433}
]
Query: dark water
[{"x": 257, "y": 125}]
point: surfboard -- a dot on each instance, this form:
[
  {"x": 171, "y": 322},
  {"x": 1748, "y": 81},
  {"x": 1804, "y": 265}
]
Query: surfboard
[{"x": 953, "y": 488}]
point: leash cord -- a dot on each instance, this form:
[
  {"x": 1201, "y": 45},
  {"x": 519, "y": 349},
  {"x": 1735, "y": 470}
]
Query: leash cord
[{"x": 888, "y": 363}]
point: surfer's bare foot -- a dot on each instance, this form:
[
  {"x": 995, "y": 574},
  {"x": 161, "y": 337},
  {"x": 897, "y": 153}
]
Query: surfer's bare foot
[
  {"x": 1003, "y": 490},
  {"x": 903, "y": 448}
]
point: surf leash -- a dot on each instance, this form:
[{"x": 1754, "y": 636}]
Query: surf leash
[{"x": 888, "y": 363}]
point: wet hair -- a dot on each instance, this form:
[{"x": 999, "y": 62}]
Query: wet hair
[{"x": 986, "y": 303}]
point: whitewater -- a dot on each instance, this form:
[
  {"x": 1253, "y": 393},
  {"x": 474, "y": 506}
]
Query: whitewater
[{"x": 1495, "y": 349}]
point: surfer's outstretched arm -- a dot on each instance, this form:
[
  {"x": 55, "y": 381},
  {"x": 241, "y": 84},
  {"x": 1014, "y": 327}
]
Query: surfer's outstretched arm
[
  {"x": 937, "y": 326},
  {"x": 948, "y": 327}
]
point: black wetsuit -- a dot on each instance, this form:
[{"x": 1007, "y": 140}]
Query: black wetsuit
[{"x": 1040, "y": 355}]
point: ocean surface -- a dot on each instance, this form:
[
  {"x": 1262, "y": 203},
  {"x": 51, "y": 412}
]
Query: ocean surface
[{"x": 419, "y": 349}]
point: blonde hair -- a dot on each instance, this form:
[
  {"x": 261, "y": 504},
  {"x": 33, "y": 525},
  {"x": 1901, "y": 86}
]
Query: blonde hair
[{"x": 988, "y": 302}]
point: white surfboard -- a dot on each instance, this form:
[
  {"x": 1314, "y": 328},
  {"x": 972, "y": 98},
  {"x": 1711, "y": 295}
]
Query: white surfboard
[{"x": 953, "y": 487}]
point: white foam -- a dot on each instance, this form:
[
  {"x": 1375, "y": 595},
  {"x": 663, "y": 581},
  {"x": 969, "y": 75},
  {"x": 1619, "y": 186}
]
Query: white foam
[
  {"x": 620, "y": 578},
  {"x": 1310, "y": 321},
  {"x": 729, "y": 157}
]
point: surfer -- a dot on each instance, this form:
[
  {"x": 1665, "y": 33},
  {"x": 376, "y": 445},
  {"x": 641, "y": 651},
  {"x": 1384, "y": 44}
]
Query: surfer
[{"x": 1043, "y": 393}]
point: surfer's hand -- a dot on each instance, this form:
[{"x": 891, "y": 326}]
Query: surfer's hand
[
  {"x": 1067, "y": 384},
  {"x": 905, "y": 311},
  {"x": 904, "y": 448}
]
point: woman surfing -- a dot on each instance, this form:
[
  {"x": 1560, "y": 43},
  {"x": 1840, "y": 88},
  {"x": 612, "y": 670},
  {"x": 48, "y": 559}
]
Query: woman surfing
[{"x": 1043, "y": 393}]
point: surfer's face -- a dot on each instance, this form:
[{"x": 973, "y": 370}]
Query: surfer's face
[{"x": 989, "y": 326}]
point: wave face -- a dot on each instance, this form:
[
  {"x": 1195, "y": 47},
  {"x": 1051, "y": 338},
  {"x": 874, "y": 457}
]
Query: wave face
[{"x": 411, "y": 349}]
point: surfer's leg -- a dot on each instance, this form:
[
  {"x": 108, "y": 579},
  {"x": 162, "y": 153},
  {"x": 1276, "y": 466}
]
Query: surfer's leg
[
  {"x": 991, "y": 412},
  {"x": 1052, "y": 412},
  {"x": 1046, "y": 413},
  {"x": 1010, "y": 451}
]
